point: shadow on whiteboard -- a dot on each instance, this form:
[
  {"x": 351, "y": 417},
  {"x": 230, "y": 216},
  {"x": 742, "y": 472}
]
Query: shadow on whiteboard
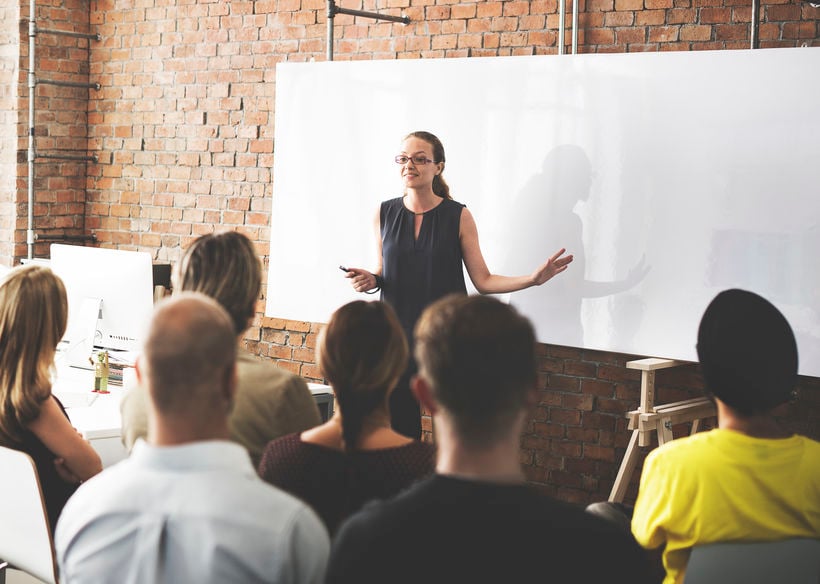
[{"x": 544, "y": 219}]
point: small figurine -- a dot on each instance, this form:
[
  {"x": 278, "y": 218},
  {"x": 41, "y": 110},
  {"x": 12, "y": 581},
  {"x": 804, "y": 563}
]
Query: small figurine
[{"x": 101, "y": 372}]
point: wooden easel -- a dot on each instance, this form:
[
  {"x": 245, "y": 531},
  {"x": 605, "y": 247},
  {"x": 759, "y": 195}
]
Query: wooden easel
[{"x": 651, "y": 418}]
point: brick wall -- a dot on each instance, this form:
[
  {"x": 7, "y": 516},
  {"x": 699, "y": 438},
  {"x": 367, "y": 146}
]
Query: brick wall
[
  {"x": 183, "y": 127},
  {"x": 9, "y": 65},
  {"x": 60, "y": 124}
]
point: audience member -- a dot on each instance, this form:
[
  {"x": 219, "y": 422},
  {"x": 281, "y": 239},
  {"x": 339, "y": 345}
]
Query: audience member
[
  {"x": 355, "y": 456},
  {"x": 187, "y": 505},
  {"x": 749, "y": 479},
  {"x": 33, "y": 317},
  {"x": 476, "y": 520},
  {"x": 270, "y": 402}
]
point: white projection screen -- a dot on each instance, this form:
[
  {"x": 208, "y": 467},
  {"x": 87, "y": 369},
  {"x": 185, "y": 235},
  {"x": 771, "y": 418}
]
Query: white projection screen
[{"x": 669, "y": 176}]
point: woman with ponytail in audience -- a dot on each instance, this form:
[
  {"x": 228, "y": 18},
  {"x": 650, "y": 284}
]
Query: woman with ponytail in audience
[{"x": 355, "y": 456}]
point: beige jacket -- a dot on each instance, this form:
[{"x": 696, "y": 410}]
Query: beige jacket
[{"x": 270, "y": 402}]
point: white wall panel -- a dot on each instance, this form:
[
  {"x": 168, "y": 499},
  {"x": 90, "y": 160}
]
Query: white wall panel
[{"x": 670, "y": 176}]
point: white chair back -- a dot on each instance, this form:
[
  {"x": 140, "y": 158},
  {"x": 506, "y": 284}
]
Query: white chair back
[
  {"x": 25, "y": 537},
  {"x": 788, "y": 561}
]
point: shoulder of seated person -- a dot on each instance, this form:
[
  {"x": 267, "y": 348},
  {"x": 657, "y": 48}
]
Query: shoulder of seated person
[{"x": 261, "y": 372}]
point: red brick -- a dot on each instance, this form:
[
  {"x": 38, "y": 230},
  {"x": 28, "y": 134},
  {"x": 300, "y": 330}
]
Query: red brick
[
  {"x": 731, "y": 32},
  {"x": 568, "y": 417},
  {"x": 715, "y": 15},
  {"x": 651, "y": 17},
  {"x": 663, "y": 34},
  {"x": 783, "y": 12},
  {"x": 599, "y": 452},
  {"x": 599, "y": 36},
  {"x": 619, "y": 18},
  {"x": 695, "y": 33},
  {"x": 577, "y": 401}
]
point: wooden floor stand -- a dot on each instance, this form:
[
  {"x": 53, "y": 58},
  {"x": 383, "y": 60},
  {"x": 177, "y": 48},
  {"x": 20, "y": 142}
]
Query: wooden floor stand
[{"x": 651, "y": 418}]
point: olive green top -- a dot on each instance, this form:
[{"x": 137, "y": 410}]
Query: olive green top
[{"x": 270, "y": 402}]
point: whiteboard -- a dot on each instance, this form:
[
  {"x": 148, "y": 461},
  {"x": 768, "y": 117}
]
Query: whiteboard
[{"x": 669, "y": 176}]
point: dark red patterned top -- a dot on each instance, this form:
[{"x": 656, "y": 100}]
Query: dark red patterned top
[{"x": 337, "y": 484}]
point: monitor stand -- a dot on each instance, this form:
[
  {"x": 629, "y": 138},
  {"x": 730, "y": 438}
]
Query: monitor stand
[{"x": 77, "y": 346}]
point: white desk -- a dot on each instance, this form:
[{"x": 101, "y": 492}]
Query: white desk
[{"x": 100, "y": 421}]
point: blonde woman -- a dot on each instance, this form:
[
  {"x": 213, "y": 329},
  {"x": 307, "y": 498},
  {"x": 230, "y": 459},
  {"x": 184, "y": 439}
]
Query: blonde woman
[
  {"x": 33, "y": 317},
  {"x": 355, "y": 456},
  {"x": 269, "y": 402}
]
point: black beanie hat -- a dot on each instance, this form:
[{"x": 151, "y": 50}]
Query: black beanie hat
[{"x": 747, "y": 352}]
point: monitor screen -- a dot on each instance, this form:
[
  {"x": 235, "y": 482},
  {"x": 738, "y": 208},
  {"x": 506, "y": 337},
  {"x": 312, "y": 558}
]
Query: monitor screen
[{"x": 115, "y": 284}]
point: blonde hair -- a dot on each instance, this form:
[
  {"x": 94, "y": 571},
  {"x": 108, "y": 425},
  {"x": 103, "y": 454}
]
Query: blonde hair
[
  {"x": 33, "y": 317},
  {"x": 225, "y": 267}
]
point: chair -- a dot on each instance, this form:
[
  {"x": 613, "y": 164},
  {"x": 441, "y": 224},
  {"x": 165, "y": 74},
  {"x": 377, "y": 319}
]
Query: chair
[
  {"x": 25, "y": 537},
  {"x": 788, "y": 561}
]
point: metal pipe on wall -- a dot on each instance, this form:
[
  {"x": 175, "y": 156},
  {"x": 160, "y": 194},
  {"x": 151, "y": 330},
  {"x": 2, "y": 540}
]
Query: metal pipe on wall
[
  {"x": 333, "y": 10},
  {"x": 574, "y": 26},
  {"x": 32, "y": 32},
  {"x": 331, "y": 13},
  {"x": 754, "y": 36},
  {"x": 562, "y": 12},
  {"x": 33, "y": 82}
]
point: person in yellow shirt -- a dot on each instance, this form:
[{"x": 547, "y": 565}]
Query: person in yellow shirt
[{"x": 749, "y": 479}]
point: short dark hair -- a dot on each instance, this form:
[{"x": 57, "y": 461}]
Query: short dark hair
[
  {"x": 747, "y": 352},
  {"x": 225, "y": 267},
  {"x": 478, "y": 355}
]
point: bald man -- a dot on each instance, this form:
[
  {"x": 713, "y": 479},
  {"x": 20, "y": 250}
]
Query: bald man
[{"x": 187, "y": 505}]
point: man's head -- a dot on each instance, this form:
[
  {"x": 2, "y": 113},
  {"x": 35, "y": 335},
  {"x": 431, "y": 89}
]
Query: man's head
[
  {"x": 189, "y": 365},
  {"x": 225, "y": 267},
  {"x": 477, "y": 355},
  {"x": 747, "y": 352}
]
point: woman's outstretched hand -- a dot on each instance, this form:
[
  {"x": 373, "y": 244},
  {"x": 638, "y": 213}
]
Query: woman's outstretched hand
[
  {"x": 361, "y": 280},
  {"x": 553, "y": 266}
]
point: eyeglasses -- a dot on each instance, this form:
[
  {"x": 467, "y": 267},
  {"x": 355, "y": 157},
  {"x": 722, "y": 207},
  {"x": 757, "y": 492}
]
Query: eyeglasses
[{"x": 417, "y": 160}]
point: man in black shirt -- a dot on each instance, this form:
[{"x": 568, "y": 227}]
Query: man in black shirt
[{"x": 476, "y": 520}]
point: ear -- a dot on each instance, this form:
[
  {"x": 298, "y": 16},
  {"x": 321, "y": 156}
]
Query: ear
[
  {"x": 229, "y": 384},
  {"x": 138, "y": 369},
  {"x": 423, "y": 393},
  {"x": 532, "y": 397},
  {"x": 440, "y": 168}
]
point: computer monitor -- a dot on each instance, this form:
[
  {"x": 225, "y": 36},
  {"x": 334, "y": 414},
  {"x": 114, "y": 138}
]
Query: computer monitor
[{"x": 110, "y": 298}]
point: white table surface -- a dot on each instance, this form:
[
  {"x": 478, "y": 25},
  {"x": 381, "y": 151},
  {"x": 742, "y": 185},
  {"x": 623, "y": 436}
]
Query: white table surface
[{"x": 97, "y": 416}]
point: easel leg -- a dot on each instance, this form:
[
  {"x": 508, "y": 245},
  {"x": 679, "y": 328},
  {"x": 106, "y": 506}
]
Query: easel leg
[
  {"x": 664, "y": 431},
  {"x": 625, "y": 471}
]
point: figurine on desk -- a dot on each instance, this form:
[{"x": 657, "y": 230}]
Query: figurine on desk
[{"x": 101, "y": 372}]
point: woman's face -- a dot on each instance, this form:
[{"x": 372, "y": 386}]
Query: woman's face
[{"x": 415, "y": 175}]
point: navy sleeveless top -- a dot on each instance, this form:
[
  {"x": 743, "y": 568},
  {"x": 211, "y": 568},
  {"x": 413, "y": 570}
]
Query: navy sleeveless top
[
  {"x": 419, "y": 271},
  {"x": 55, "y": 490}
]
